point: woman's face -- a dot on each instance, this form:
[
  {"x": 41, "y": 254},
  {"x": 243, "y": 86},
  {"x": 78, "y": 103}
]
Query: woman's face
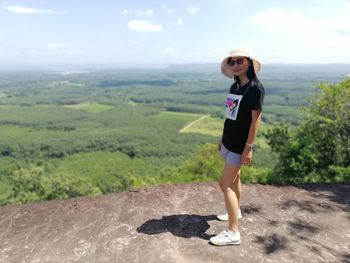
[{"x": 239, "y": 66}]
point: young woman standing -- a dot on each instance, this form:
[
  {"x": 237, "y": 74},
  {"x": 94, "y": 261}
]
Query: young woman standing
[{"x": 243, "y": 114}]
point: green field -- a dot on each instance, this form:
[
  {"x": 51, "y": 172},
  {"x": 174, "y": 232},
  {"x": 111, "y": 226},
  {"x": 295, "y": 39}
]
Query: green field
[
  {"x": 205, "y": 125},
  {"x": 90, "y": 107},
  {"x": 109, "y": 130}
]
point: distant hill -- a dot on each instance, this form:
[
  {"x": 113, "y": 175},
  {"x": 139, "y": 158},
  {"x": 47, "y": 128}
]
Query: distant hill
[
  {"x": 271, "y": 70},
  {"x": 312, "y": 71}
]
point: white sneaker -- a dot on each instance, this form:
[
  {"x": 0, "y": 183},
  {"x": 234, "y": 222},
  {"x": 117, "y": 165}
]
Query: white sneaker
[
  {"x": 224, "y": 217},
  {"x": 226, "y": 238}
]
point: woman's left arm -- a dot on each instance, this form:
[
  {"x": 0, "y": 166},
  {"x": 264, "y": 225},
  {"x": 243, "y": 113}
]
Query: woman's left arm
[{"x": 247, "y": 154}]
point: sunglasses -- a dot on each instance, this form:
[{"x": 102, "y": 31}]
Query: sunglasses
[{"x": 233, "y": 62}]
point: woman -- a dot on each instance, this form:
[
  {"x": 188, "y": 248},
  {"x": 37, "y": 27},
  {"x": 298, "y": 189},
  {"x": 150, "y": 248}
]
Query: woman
[{"x": 243, "y": 114}]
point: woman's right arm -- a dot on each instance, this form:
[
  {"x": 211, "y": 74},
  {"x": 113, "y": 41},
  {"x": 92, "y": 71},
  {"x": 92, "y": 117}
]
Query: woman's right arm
[{"x": 220, "y": 143}]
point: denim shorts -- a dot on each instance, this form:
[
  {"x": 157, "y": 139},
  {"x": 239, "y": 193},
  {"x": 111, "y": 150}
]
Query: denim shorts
[{"x": 230, "y": 157}]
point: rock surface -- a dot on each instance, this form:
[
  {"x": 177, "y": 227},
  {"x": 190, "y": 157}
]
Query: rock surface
[{"x": 173, "y": 223}]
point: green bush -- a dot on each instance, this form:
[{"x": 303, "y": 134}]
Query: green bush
[
  {"x": 63, "y": 186},
  {"x": 31, "y": 184},
  {"x": 318, "y": 150}
]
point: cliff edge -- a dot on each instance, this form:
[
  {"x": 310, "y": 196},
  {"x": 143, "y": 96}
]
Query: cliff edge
[{"x": 173, "y": 223}]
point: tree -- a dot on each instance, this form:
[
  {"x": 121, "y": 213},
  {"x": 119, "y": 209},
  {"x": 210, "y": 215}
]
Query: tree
[
  {"x": 328, "y": 120},
  {"x": 319, "y": 148}
]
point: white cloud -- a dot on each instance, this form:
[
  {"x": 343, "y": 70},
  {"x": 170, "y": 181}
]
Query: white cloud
[
  {"x": 132, "y": 42},
  {"x": 340, "y": 24},
  {"x": 296, "y": 22},
  {"x": 166, "y": 9},
  {"x": 142, "y": 13},
  {"x": 193, "y": 9},
  {"x": 179, "y": 21},
  {"x": 144, "y": 26},
  {"x": 306, "y": 38},
  {"x": 278, "y": 20},
  {"x": 28, "y": 10}
]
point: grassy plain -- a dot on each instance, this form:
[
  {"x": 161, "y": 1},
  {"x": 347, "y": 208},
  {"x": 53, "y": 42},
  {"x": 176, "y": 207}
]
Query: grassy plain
[
  {"x": 205, "y": 124},
  {"x": 90, "y": 107}
]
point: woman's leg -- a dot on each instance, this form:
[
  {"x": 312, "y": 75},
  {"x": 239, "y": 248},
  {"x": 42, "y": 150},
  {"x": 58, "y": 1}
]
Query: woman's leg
[
  {"x": 226, "y": 182},
  {"x": 237, "y": 187}
]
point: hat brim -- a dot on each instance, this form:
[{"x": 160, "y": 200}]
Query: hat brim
[{"x": 226, "y": 68}]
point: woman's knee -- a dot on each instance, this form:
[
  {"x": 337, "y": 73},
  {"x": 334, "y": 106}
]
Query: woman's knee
[
  {"x": 229, "y": 175},
  {"x": 222, "y": 184},
  {"x": 225, "y": 184}
]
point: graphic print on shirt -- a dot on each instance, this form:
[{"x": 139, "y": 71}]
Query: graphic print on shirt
[{"x": 232, "y": 105}]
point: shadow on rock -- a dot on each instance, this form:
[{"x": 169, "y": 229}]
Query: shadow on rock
[
  {"x": 346, "y": 258},
  {"x": 306, "y": 205},
  {"x": 250, "y": 209},
  {"x": 336, "y": 192},
  {"x": 300, "y": 226},
  {"x": 186, "y": 226},
  {"x": 272, "y": 243}
]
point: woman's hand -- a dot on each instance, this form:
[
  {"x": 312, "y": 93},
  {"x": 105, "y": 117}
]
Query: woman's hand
[
  {"x": 247, "y": 155},
  {"x": 219, "y": 146}
]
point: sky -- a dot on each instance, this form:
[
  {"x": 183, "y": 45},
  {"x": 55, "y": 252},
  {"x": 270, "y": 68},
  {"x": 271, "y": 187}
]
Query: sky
[{"x": 140, "y": 33}]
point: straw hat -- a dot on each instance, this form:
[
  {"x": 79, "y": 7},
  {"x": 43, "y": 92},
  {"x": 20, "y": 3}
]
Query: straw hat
[{"x": 240, "y": 52}]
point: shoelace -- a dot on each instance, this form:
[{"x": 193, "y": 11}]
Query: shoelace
[{"x": 223, "y": 234}]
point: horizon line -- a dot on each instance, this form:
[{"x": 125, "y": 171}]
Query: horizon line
[{"x": 197, "y": 66}]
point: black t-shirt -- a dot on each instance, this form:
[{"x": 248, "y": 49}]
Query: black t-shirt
[{"x": 239, "y": 105}]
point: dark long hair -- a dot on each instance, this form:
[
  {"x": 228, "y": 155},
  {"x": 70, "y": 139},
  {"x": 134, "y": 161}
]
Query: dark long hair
[{"x": 250, "y": 73}]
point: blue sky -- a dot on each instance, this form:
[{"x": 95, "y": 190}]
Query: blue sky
[{"x": 136, "y": 33}]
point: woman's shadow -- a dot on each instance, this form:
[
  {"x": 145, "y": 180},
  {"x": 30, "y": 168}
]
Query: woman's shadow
[{"x": 179, "y": 225}]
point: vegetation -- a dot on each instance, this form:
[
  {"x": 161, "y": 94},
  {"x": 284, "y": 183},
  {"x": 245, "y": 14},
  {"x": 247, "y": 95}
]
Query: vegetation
[
  {"x": 67, "y": 135},
  {"x": 319, "y": 148}
]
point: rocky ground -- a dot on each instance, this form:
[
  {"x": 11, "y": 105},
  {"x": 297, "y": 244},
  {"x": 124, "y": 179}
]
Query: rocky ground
[{"x": 173, "y": 223}]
